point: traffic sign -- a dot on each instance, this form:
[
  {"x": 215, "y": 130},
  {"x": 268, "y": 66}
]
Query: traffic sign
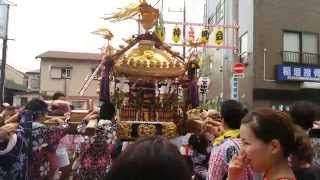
[
  {"x": 238, "y": 68},
  {"x": 238, "y": 75}
]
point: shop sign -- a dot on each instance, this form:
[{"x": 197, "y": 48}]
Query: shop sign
[{"x": 298, "y": 73}]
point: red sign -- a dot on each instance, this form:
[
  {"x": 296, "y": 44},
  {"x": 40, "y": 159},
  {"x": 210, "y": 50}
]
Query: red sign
[{"x": 238, "y": 68}]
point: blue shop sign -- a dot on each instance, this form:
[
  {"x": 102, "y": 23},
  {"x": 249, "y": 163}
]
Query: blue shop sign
[{"x": 298, "y": 73}]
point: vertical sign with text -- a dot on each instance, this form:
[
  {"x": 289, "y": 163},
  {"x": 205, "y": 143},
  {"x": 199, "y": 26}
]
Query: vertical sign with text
[
  {"x": 3, "y": 20},
  {"x": 235, "y": 88}
]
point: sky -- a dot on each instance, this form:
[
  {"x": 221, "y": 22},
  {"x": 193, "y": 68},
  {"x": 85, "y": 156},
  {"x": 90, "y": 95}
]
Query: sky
[{"x": 37, "y": 26}]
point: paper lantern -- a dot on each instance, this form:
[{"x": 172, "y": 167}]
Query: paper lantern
[
  {"x": 176, "y": 36},
  {"x": 160, "y": 30},
  {"x": 191, "y": 37},
  {"x": 204, "y": 36},
  {"x": 219, "y": 37}
]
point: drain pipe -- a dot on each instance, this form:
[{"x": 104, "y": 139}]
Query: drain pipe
[{"x": 264, "y": 67}]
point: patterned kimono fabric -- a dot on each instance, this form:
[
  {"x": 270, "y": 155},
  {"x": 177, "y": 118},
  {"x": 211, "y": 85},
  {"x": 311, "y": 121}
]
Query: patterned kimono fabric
[
  {"x": 15, "y": 164},
  {"x": 95, "y": 157},
  {"x": 44, "y": 142},
  {"x": 200, "y": 165},
  {"x": 28, "y": 159}
]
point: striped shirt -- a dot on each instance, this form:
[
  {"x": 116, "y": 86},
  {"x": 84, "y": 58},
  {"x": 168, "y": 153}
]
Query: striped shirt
[{"x": 221, "y": 155}]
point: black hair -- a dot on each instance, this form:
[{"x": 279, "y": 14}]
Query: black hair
[
  {"x": 232, "y": 112},
  {"x": 303, "y": 114},
  {"x": 153, "y": 158},
  {"x": 57, "y": 95},
  {"x": 199, "y": 143},
  {"x": 303, "y": 152},
  {"x": 107, "y": 111},
  {"x": 268, "y": 125},
  {"x": 37, "y": 106}
]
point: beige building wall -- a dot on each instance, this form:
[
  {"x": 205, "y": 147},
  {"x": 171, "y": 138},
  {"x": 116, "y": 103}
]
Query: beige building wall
[
  {"x": 33, "y": 81},
  {"x": 80, "y": 69},
  {"x": 15, "y": 76}
]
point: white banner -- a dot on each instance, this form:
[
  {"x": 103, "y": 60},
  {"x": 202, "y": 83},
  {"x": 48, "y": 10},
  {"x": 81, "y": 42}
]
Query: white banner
[
  {"x": 3, "y": 20},
  {"x": 203, "y": 83}
]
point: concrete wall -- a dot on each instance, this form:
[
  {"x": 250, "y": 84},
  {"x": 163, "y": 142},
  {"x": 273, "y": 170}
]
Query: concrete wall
[
  {"x": 15, "y": 75},
  {"x": 272, "y": 17},
  {"x": 214, "y": 59},
  {"x": 33, "y": 81},
  {"x": 246, "y": 27},
  {"x": 80, "y": 69}
]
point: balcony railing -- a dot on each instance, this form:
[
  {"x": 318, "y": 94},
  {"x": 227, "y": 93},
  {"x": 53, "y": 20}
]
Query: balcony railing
[{"x": 300, "y": 57}]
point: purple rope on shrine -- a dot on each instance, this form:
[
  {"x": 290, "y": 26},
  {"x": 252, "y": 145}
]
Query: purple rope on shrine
[
  {"x": 193, "y": 95},
  {"x": 105, "y": 82}
]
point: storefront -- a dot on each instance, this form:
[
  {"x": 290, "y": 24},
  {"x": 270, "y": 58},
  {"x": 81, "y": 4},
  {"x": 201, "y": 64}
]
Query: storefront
[{"x": 306, "y": 77}]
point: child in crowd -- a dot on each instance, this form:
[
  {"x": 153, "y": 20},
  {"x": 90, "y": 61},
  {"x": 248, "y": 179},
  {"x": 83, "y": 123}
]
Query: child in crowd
[{"x": 200, "y": 156}]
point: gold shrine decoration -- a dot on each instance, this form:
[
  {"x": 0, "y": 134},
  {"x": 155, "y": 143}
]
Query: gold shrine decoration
[
  {"x": 128, "y": 130},
  {"x": 176, "y": 36},
  {"x": 160, "y": 30},
  {"x": 147, "y": 130},
  {"x": 148, "y": 61},
  {"x": 124, "y": 130},
  {"x": 169, "y": 130},
  {"x": 148, "y": 14},
  {"x": 106, "y": 33}
]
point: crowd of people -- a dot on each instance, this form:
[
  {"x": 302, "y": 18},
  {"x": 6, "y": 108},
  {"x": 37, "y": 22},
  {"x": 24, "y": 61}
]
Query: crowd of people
[{"x": 260, "y": 144}]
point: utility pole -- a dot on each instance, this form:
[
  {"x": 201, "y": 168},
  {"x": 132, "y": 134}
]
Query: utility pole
[
  {"x": 4, "y": 50},
  {"x": 184, "y": 29}
]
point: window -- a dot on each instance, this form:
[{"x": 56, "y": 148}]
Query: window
[
  {"x": 80, "y": 104},
  {"x": 244, "y": 48},
  {"x": 210, "y": 19},
  {"x": 65, "y": 73},
  {"x": 309, "y": 48},
  {"x": 60, "y": 72},
  {"x": 291, "y": 47},
  {"x": 55, "y": 73},
  {"x": 300, "y": 47},
  {"x": 219, "y": 12},
  {"x": 34, "y": 84}
]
